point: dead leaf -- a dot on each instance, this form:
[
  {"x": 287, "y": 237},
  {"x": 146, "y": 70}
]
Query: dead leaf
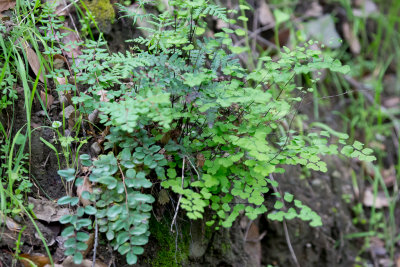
[
  {"x": 6, "y": 4},
  {"x": 60, "y": 7},
  {"x": 58, "y": 61},
  {"x": 103, "y": 95},
  {"x": 323, "y": 29},
  {"x": 365, "y": 8},
  {"x": 70, "y": 41},
  {"x": 265, "y": 15},
  {"x": 380, "y": 200},
  {"x": 48, "y": 211},
  {"x": 10, "y": 223},
  {"x": 377, "y": 246},
  {"x": 315, "y": 10},
  {"x": 389, "y": 176},
  {"x": 200, "y": 160},
  {"x": 221, "y": 24},
  {"x": 47, "y": 99},
  {"x": 391, "y": 102},
  {"x": 89, "y": 243},
  {"x": 86, "y": 186},
  {"x": 351, "y": 38},
  {"x": 69, "y": 262},
  {"x": 38, "y": 260},
  {"x": 33, "y": 60},
  {"x": 163, "y": 197},
  {"x": 72, "y": 120},
  {"x": 377, "y": 145}
]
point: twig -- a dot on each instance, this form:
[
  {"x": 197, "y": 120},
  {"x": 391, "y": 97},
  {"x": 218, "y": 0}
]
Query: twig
[
  {"x": 254, "y": 35},
  {"x": 126, "y": 190},
  {"x": 59, "y": 12},
  {"x": 194, "y": 168},
  {"x": 285, "y": 229},
  {"x": 96, "y": 236},
  {"x": 180, "y": 196}
]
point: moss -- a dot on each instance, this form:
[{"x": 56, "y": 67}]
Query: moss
[
  {"x": 166, "y": 254},
  {"x": 104, "y": 13},
  {"x": 225, "y": 248}
]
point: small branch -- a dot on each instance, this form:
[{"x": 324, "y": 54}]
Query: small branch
[
  {"x": 194, "y": 168},
  {"x": 285, "y": 229},
  {"x": 126, "y": 190},
  {"x": 180, "y": 196},
  {"x": 254, "y": 35},
  {"x": 96, "y": 236}
]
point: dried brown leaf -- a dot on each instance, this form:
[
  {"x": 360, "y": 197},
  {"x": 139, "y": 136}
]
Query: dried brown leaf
[
  {"x": 103, "y": 95},
  {"x": 200, "y": 160},
  {"x": 38, "y": 260},
  {"x": 33, "y": 60},
  {"x": 365, "y": 8},
  {"x": 163, "y": 197},
  {"x": 315, "y": 10},
  {"x": 265, "y": 15},
  {"x": 7, "y": 4},
  {"x": 58, "y": 61},
  {"x": 86, "y": 186},
  {"x": 351, "y": 38},
  {"x": 69, "y": 262},
  {"x": 90, "y": 244},
  {"x": 10, "y": 223},
  {"x": 380, "y": 200},
  {"x": 47, "y": 99},
  {"x": 73, "y": 50},
  {"x": 391, "y": 102},
  {"x": 48, "y": 211}
]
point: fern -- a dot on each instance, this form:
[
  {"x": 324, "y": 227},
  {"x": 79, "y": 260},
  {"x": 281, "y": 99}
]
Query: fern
[{"x": 190, "y": 99}]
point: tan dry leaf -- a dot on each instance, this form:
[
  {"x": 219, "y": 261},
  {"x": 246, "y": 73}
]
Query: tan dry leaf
[
  {"x": 163, "y": 197},
  {"x": 90, "y": 244},
  {"x": 59, "y": 7},
  {"x": 351, "y": 38},
  {"x": 58, "y": 61},
  {"x": 391, "y": 102},
  {"x": 389, "y": 176},
  {"x": 86, "y": 186},
  {"x": 315, "y": 10},
  {"x": 377, "y": 246},
  {"x": 265, "y": 15},
  {"x": 69, "y": 262},
  {"x": 103, "y": 95},
  {"x": 38, "y": 260},
  {"x": 47, "y": 99},
  {"x": 365, "y": 8},
  {"x": 72, "y": 120},
  {"x": 6, "y": 4},
  {"x": 380, "y": 201},
  {"x": 10, "y": 223},
  {"x": 46, "y": 210},
  {"x": 200, "y": 160},
  {"x": 33, "y": 60},
  {"x": 73, "y": 50}
]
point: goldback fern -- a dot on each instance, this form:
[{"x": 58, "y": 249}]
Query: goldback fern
[{"x": 197, "y": 121}]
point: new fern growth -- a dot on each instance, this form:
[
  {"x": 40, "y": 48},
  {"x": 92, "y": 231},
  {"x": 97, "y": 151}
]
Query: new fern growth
[{"x": 194, "y": 119}]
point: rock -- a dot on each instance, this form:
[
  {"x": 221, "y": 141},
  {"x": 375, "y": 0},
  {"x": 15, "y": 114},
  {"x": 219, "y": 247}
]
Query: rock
[
  {"x": 67, "y": 111},
  {"x": 95, "y": 148}
]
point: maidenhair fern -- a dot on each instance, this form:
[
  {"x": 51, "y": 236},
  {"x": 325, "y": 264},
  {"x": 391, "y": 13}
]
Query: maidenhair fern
[{"x": 194, "y": 119}]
